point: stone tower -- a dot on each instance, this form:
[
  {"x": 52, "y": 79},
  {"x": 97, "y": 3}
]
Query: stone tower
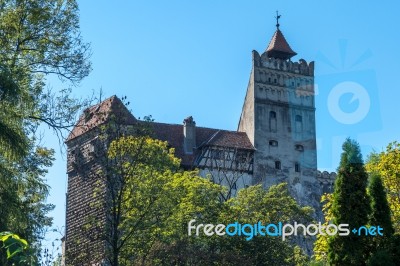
[{"x": 278, "y": 116}]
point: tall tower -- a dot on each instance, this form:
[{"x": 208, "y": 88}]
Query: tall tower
[{"x": 278, "y": 116}]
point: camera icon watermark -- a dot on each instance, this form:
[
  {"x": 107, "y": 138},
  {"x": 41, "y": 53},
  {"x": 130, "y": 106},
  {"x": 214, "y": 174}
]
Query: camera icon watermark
[
  {"x": 358, "y": 92},
  {"x": 348, "y": 103}
]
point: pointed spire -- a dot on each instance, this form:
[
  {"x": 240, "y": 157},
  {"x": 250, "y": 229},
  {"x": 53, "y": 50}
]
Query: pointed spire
[{"x": 278, "y": 46}]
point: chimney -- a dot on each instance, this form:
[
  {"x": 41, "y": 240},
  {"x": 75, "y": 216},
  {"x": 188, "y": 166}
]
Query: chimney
[{"x": 189, "y": 135}]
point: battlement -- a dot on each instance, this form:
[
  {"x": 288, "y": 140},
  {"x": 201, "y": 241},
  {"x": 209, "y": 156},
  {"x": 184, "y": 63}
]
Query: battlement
[
  {"x": 301, "y": 67},
  {"x": 326, "y": 177}
]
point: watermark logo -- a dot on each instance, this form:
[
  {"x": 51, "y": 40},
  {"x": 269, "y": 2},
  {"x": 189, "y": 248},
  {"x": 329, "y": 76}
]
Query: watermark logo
[
  {"x": 249, "y": 231},
  {"x": 359, "y": 95},
  {"x": 346, "y": 99}
]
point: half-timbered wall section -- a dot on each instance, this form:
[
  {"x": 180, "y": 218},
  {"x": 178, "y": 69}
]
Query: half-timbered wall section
[{"x": 228, "y": 166}]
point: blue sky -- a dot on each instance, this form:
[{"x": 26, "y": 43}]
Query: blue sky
[{"x": 173, "y": 59}]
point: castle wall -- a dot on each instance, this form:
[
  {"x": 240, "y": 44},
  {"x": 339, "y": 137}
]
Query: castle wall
[{"x": 85, "y": 217}]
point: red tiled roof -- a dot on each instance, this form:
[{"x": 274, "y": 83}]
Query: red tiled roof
[
  {"x": 172, "y": 133},
  {"x": 231, "y": 139},
  {"x": 98, "y": 114},
  {"x": 279, "y": 48}
]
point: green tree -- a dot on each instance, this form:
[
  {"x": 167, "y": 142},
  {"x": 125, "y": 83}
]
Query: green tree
[
  {"x": 380, "y": 211},
  {"x": 151, "y": 201},
  {"x": 321, "y": 246},
  {"x": 350, "y": 205},
  {"x": 387, "y": 165},
  {"x": 38, "y": 39},
  {"x": 380, "y": 216},
  {"x": 274, "y": 205},
  {"x": 23, "y": 193}
]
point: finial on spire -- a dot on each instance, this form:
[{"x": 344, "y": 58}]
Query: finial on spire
[{"x": 277, "y": 19}]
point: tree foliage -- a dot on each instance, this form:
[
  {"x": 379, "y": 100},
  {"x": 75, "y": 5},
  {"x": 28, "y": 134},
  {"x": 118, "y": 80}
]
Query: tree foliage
[
  {"x": 387, "y": 165},
  {"x": 350, "y": 205},
  {"x": 151, "y": 202},
  {"x": 321, "y": 246},
  {"x": 14, "y": 248},
  {"x": 380, "y": 215},
  {"x": 23, "y": 193},
  {"x": 38, "y": 39}
]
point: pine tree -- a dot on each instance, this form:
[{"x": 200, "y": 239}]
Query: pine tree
[
  {"x": 350, "y": 205},
  {"x": 380, "y": 216},
  {"x": 380, "y": 211}
]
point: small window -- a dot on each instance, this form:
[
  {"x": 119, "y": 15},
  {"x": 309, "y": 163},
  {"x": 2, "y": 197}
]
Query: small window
[
  {"x": 277, "y": 165},
  {"x": 269, "y": 80},
  {"x": 298, "y": 118},
  {"x": 292, "y": 84},
  {"x": 272, "y": 114},
  {"x": 299, "y": 147},
  {"x": 273, "y": 143},
  {"x": 297, "y": 167},
  {"x": 274, "y": 80}
]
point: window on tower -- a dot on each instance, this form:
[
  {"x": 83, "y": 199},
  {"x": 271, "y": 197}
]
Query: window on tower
[
  {"x": 297, "y": 167},
  {"x": 277, "y": 165},
  {"x": 299, "y": 123},
  {"x": 273, "y": 143},
  {"x": 272, "y": 121},
  {"x": 299, "y": 147}
]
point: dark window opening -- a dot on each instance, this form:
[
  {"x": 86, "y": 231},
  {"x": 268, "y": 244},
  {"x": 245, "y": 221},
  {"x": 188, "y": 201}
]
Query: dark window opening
[
  {"x": 298, "y": 118},
  {"x": 272, "y": 114},
  {"x": 273, "y": 143},
  {"x": 278, "y": 165},
  {"x": 299, "y": 147},
  {"x": 297, "y": 167}
]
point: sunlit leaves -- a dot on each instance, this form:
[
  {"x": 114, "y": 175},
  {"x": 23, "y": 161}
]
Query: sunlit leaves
[{"x": 387, "y": 165}]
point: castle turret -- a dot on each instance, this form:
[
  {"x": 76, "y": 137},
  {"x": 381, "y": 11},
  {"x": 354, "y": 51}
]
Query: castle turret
[{"x": 279, "y": 118}]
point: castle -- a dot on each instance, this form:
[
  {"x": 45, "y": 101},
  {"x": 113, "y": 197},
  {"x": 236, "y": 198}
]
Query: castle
[{"x": 275, "y": 142}]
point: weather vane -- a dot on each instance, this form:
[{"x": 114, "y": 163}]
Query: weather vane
[{"x": 277, "y": 19}]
